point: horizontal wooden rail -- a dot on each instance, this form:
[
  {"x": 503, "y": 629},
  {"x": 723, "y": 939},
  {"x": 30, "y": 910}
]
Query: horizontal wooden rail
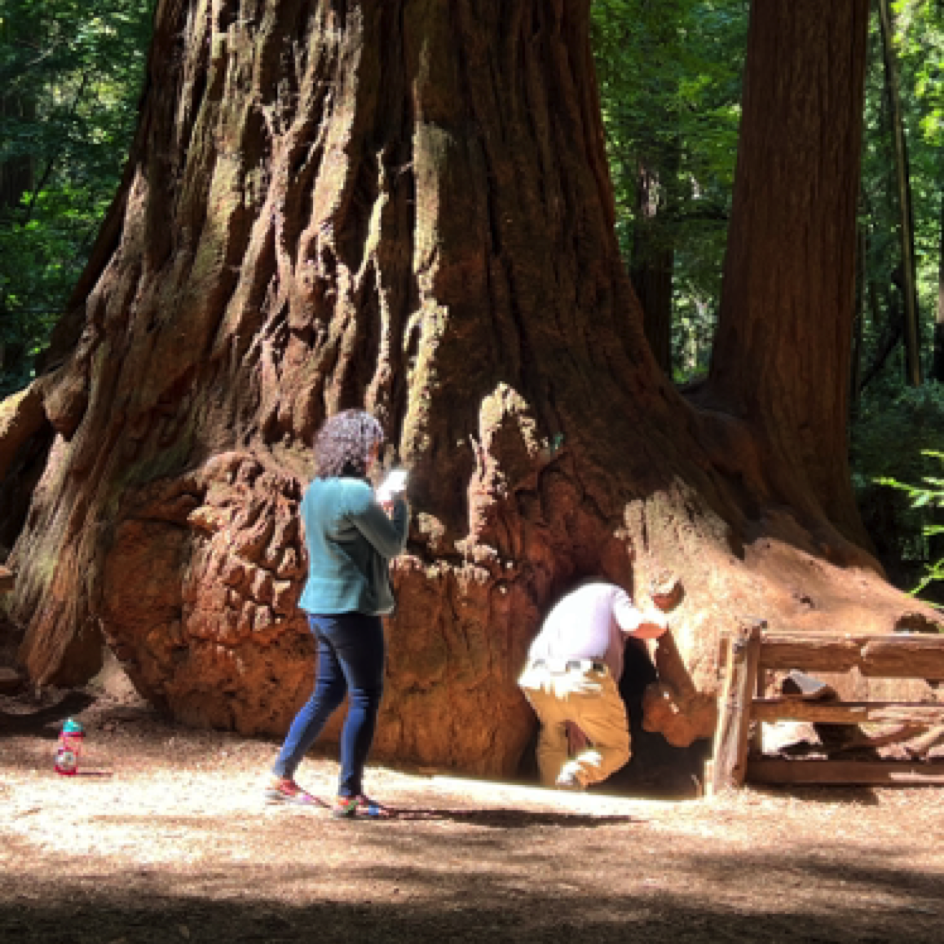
[
  {"x": 839, "y": 773},
  {"x": 919, "y": 655},
  {"x": 845, "y": 712}
]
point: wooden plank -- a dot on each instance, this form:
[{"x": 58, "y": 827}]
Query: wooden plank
[
  {"x": 756, "y": 745},
  {"x": 843, "y": 772},
  {"x": 7, "y": 579},
  {"x": 740, "y": 681},
  {"x": 800, "y": 636},
  {"x": 724, "y": 643},
  {"x": 920, "y": 746},
  {"x": 900, "y": 655},
  {"x": 906, "y": 657},
  {"x": 809, "y": 652},
  {"x": 846, "y": 712}
]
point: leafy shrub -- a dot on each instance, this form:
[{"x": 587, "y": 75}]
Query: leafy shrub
[
  {"x": 890, "y": 447},
  {"x": 929, "y": 495}
]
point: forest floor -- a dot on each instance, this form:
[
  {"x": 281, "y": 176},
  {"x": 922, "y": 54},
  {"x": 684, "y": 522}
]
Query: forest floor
[{"x": 163, "y": 837}]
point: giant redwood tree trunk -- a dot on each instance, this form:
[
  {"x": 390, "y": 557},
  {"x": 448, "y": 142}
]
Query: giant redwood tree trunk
[{"x": 405, "y": 205}]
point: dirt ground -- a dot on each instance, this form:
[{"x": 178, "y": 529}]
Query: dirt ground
[{"x": 164, "y": 838}]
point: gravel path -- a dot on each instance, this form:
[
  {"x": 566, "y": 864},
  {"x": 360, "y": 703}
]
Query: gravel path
[{"x": 165, "y": 839}]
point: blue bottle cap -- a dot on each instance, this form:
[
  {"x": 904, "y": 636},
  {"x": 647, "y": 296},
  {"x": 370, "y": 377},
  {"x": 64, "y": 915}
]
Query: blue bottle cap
[{"x": 72, "y": 727}]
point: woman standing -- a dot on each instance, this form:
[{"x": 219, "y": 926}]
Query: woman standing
[{"x": 350, "y": 539}]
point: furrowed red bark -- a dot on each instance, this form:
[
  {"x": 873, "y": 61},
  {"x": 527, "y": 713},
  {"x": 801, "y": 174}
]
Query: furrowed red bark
[
  {"x": 404, "y": 206},
  {"x": 789, "y": 281}
]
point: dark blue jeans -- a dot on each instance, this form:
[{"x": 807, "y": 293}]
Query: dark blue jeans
[{"x": 350, "y": 661}]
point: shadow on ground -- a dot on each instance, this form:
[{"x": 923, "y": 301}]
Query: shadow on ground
[
  {"x": 418, "y": 902},
  {"x": 45, "y": 722}
]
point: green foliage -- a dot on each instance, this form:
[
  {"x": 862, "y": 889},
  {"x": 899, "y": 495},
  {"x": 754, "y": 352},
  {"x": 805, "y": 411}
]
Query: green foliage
[
  {"x": 928, "y": 495},
  {"x": 919, "y": 52},
  {"x": 889, "y": 447},
  {"x": 670, "y": 85},
  {"x": 670, "y": 82},
  {"x": 70, "y": 74},
  {"x": 921, "y": 44}
]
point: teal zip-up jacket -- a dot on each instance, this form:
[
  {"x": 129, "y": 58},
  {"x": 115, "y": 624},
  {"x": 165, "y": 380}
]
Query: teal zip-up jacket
[{"x": 350, "y": 540}]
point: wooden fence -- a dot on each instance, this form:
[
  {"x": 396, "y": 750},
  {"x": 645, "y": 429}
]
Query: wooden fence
[{"x": 747, "y": 653}]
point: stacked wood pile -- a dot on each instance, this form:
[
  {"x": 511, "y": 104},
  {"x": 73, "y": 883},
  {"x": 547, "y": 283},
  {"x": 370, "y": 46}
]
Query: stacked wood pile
[{"x": 752, "y": 651}]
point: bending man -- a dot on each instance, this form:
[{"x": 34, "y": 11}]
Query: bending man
[{"x": 572, "y": 679}]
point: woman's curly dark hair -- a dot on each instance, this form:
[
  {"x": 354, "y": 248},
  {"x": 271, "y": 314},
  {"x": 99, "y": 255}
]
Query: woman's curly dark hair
[{"x": 343, "y": 444}]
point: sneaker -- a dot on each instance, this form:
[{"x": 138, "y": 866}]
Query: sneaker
[
  {"x": 350, "y": 807},
  {"x": 282, "y": 790},
  {"x": 568, "y": 781}
]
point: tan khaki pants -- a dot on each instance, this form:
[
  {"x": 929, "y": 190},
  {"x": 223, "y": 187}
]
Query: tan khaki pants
[{"x": 591, "y": 700}]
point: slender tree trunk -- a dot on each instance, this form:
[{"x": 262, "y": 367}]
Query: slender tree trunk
[
  {"x": 406, "y": 206},
  {"x": 903, "y": 185},
  {"x": 862, "y": 290},
  {"x": 16, "y": 179},
  {"x": 892, "y": 333},
  {"x": 937, "y": 362},
  {"x": 651, "y": 268},
  {"x": 652, "y": 262},
  {"x": 16, "y": 174}
]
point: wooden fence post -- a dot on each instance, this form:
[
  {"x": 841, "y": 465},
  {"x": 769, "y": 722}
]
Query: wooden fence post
[{"x": 740, "y": 682}]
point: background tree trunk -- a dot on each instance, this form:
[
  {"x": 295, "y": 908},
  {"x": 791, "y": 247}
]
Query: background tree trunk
[
  {"x": 861, "y": 307},
  {"x": 16, "y": 178},
  {"x": 903, "y": 190},
  {"x": 16, "y": 174},
  {"x": 406, "y": 206},
  {"x": 651, "y": 268},
  {"x": 937, "y": 361},
  {"x": 789, "y": 280}
]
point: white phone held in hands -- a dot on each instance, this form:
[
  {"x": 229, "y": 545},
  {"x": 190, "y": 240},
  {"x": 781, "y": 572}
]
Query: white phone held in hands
[{"x": 392, "y": 486}]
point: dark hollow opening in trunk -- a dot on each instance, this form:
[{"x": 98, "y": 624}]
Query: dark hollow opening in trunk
[{"x": 656, "y": 768}]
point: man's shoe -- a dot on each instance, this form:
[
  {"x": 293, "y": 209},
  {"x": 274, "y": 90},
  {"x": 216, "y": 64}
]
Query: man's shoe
[{"x": 568, "y": 781}]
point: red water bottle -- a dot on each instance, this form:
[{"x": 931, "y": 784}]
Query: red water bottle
[{"x": 69, "y": 748}]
